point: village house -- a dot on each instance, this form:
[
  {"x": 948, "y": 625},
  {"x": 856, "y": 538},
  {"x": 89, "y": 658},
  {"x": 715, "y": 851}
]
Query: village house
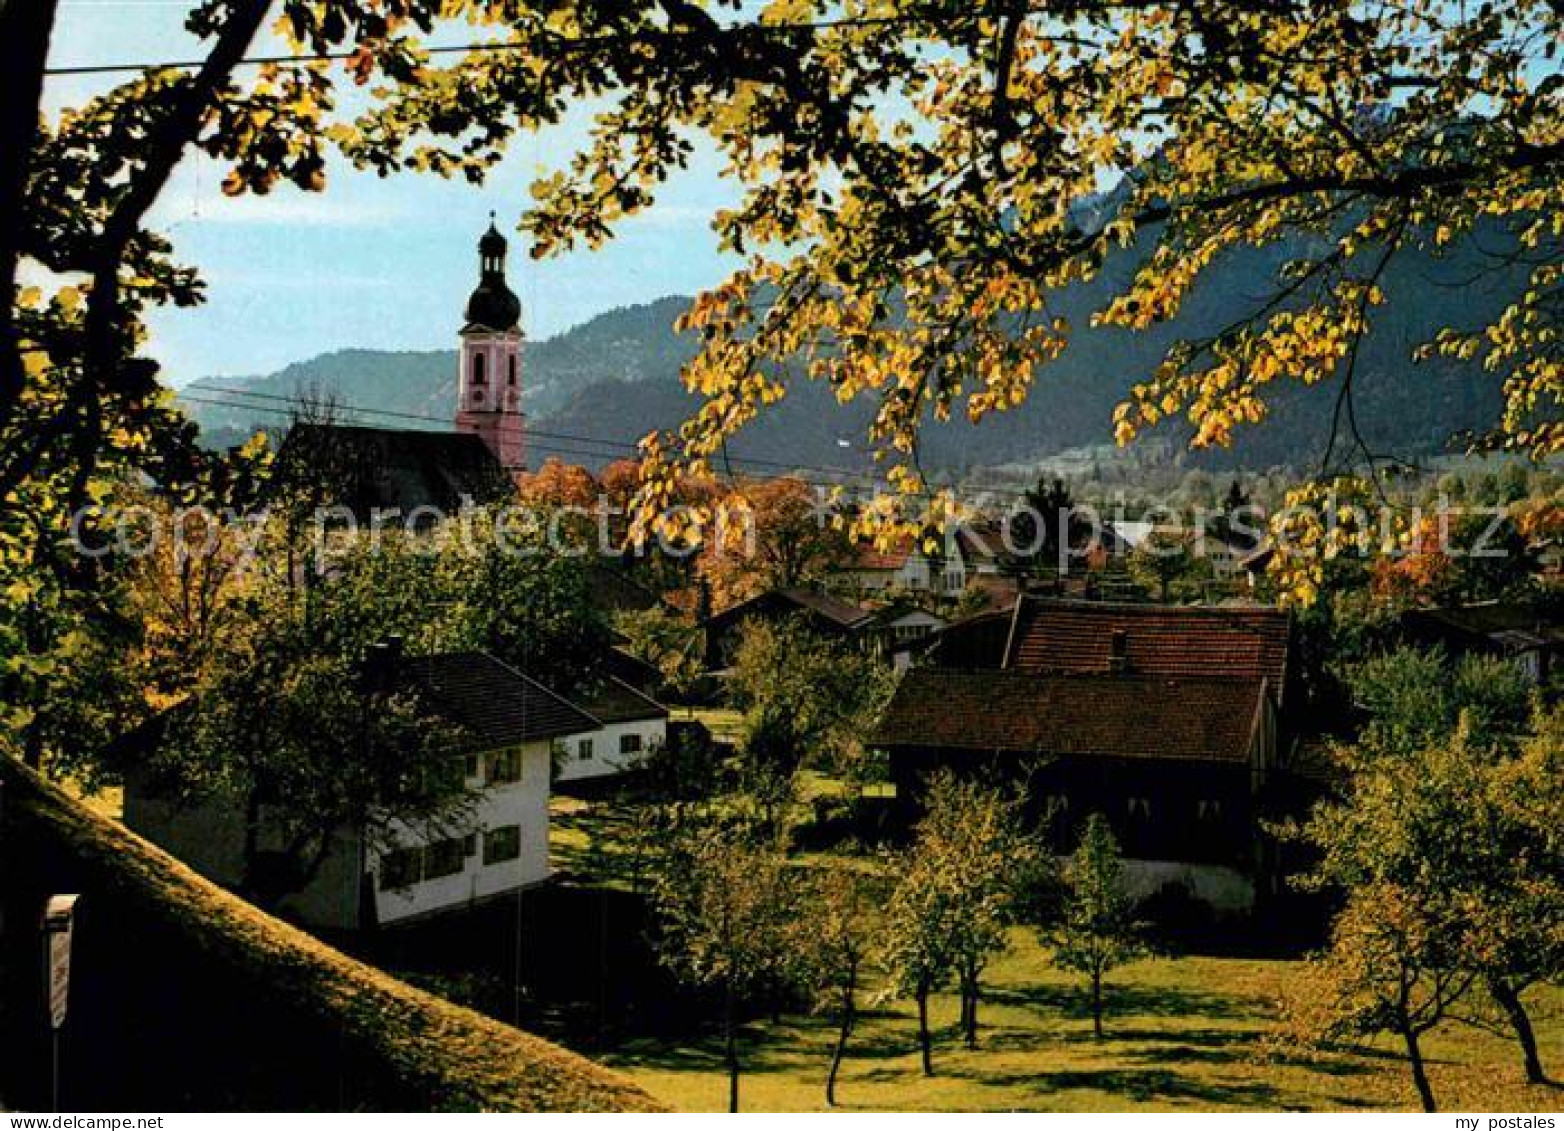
[
  {"x": 1170, "y": 721},
  {"x": 822, "y": 613},
  {"x": 904, "y": 567},
  {"x": 633, "y": 727},
  {"x": 1527, "y": 636},
  {"x": 509, "y": 726}
]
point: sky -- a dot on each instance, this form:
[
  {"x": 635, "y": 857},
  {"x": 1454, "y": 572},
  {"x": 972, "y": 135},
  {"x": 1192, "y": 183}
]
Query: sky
[{"x": 371, "y": 262}]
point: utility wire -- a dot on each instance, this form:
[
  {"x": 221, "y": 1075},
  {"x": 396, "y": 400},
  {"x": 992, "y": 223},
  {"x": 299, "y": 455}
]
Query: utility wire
[
  {"x": 540, "y": 46},
  {"x": 563, "y": 443}
]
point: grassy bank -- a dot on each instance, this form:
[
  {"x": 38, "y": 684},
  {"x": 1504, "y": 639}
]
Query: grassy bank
[{"x": 185, "y": 997}]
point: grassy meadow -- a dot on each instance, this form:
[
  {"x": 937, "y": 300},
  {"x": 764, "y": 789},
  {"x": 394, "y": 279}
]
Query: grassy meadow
[{"x": 1186, "y": 1034}]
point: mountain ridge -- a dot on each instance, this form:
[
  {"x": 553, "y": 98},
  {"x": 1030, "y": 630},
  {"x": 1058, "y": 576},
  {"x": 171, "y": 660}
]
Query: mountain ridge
[{"x": 593, "y": 391}]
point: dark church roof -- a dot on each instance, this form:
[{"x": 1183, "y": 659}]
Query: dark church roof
[
  {"x": 364, "y": 469},
  {"x": 1073, "y": 715},
  {"x": 493, "y": 305},
  {"x": 493, "y": 703}
]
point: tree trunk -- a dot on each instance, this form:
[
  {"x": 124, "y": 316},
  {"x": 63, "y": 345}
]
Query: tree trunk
[
  {"x": 1510, "y": 1001},
  {"x": 1097, "y": 1004},
  {"x": 730, "y": 1047},
  {"x": 925, "y": 1043},
  {"x": 849, "y": 1011},
  {"x": 25, "y": 29},
  {"x": 1425, "y": 1090},
  {"x": 969, "y": 1009}
]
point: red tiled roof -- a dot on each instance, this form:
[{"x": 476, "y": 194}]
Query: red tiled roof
[
  {"x": 1161, "y": 640},
  {"x": 1079, "y": 716},
  {"x": 893, "y": 557}
]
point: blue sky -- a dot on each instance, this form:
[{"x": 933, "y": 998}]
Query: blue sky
[{"x": 371, "y": 262}]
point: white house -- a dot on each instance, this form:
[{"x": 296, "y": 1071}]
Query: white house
[
  {"x": 903, "y": 566},
  {"x": 495, "y": 845},
  {"x": 500, "y": 845},
  {"x": 633, "y": 725}
]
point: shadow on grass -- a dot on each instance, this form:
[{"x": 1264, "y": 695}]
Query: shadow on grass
[{"x": 1126, "y": 1001}]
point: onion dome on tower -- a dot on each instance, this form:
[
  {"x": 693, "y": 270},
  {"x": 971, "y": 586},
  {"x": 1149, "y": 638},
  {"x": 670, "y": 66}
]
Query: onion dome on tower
[{"x": 493, "y": 305}]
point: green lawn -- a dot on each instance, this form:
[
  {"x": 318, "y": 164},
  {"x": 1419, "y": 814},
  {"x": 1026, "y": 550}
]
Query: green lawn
[{"x": 1184, "y": 1034}]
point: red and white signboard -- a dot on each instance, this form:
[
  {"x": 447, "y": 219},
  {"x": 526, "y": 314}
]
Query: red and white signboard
[{"x": 58, "y": 918}]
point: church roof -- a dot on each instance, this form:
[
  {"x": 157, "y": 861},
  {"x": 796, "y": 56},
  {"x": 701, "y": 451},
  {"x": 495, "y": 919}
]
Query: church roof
[
  {"x": 364, "y": 469},
  {"x": 492, "y": 305}
]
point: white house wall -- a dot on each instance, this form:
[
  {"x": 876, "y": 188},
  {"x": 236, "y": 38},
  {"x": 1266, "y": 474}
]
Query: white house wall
[
  {"x": 523, "y": 803},
  {"x": 606, "y": 759}
]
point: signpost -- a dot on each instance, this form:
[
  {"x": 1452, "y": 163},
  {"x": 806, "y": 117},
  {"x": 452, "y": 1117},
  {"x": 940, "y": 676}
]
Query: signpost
[{"x": 58, "y": 917}]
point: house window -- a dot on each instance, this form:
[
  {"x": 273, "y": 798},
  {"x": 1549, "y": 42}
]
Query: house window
[
  {"x": 1140, "y": 807},
  {"x": 584, "y": 750},
  {"x": 400, "y": 868},
  {"x": 513, "y": 370},
  {"x": 504, "y": 766},
  {"x": 470, "y": 766},
  {"x": 1208, "y": 810},
  {"x": 445, "y": 858},
  {"x": 629, "y": 744},
  {"x": 478, "y": 374},
  {"x": 502, "y": 844},
  {"x": 470, "y": 844}
]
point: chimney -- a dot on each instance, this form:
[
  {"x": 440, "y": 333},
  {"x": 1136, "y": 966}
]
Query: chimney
[
  {"x": 381, "y": 663},
  {"x": 1119, "y": 652}
]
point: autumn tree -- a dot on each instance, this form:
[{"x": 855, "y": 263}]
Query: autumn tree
[
  {"x": 1095, "y": 929},
  {"x": 1164, "y": 561},
  {"x": 830, "y": 939},
  {"x": 724, "y": 900},
  {"x": 779, "y": 533},
  {"x": 1385, "y": 971},
  {"x": 1451, "y": 840},
  {"x": 961, "y": 886},
  {"x": 919, "y": 178}
]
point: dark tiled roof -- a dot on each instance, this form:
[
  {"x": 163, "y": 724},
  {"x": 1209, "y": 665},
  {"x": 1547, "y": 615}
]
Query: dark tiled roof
[
  {"x": 844, "y": 613},
  {"x": 493, "y": 703},
  {"x": 1488, "y": 618},
  {"x": 368, "y": 468},
  {"x": 815, "y": 603},
  {"x": 1081, "y": 716},
  {"x": 614, "y": 590},
  {"x": 1247, "y": 643},
  {"x": 614, "y": 701}
]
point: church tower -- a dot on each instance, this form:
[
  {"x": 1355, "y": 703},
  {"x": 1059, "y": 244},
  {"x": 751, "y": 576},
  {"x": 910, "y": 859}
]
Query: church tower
[{"x": 488, "y": 385}]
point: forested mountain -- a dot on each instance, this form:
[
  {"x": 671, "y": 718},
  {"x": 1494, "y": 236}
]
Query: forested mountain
[{"x": 615, "y": 377}]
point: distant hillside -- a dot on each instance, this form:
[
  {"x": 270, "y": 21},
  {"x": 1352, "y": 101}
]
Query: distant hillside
[
  {"x": 616, "y": 377},
  {"x": 417, "y": 389}
]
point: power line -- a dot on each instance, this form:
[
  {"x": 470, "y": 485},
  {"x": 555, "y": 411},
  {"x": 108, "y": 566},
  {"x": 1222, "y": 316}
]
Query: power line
[
  {"x": 540, "y": 46},
  {"x": 561, "y": 443}
]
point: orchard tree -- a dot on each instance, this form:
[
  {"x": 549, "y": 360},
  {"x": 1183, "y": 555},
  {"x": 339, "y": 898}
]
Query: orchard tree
[
  {"x": 306, "y": 744},
  {"x": 830, "y": 939},
  {"x": 724, "y": 900},
  {"x": 1164, "y": 560},
  {"x": 1095, "y": 930},
  {"x": 962, "y": 884},
  {"x": 1461, "y": 831},
  {"x": 918, "y": 182}
]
